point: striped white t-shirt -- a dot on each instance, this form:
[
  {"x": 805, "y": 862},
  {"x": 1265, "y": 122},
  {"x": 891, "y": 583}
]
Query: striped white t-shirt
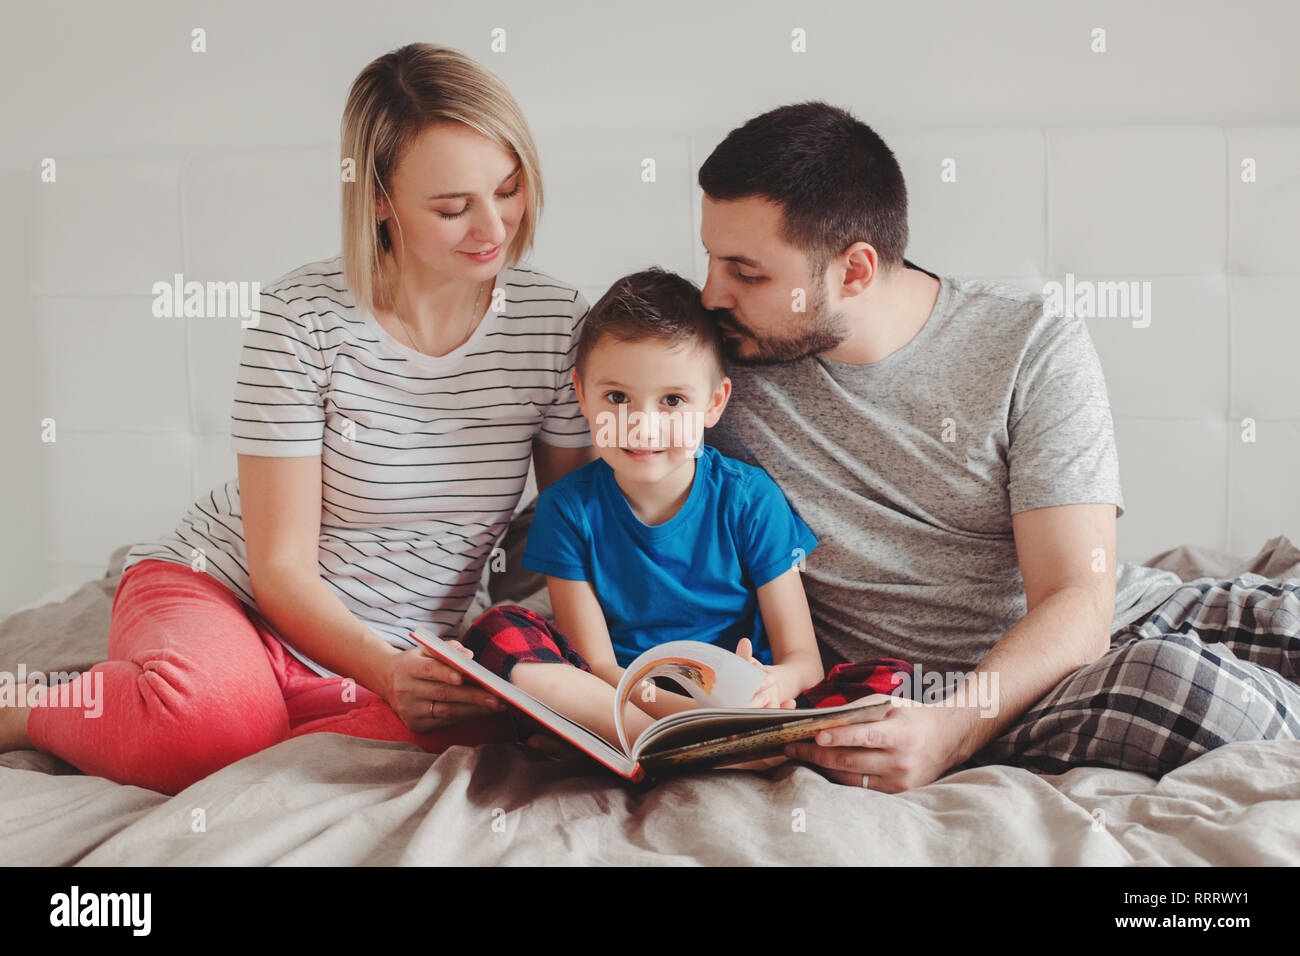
[{"x": 423, "y": 459}]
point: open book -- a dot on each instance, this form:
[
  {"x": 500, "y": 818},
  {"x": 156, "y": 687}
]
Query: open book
[{"x": 721, "y": 730}]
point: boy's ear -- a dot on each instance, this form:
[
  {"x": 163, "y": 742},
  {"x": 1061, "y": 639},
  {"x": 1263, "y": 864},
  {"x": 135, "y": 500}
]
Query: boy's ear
[
  {"x": 577, "y": 388},
  {"x": 721, "y": 395}
]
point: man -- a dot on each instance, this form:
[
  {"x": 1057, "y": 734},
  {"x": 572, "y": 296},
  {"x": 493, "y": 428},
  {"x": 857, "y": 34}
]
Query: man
[{"x": 950, "y": 443}]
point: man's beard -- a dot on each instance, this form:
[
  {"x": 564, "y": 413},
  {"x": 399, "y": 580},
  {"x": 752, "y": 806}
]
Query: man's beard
[{"x": 820, "y": 330}]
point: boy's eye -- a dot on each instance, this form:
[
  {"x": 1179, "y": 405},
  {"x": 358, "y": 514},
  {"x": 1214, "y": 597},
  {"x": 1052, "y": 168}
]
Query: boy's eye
[
  {"x": 746, "y": 278},
  {"x": 618, "y": 398}
]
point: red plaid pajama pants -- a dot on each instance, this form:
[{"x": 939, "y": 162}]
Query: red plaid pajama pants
[{"x": 509, "y": 634}]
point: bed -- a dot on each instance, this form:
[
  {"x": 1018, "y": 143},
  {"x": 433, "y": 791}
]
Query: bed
[{"x": 325, "y": 799}]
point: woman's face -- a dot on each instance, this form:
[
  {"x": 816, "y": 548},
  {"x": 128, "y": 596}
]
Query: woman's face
[{"x": 457, "y": 194}]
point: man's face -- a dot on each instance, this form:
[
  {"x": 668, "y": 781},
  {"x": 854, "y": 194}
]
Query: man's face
[{"x": 752, "y": 283}]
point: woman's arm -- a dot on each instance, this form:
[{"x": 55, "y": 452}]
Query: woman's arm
[
  {"x": 797, "y": 665},
  {"x": 281, "y": 503},
  {"x": 551, "y": 462}
]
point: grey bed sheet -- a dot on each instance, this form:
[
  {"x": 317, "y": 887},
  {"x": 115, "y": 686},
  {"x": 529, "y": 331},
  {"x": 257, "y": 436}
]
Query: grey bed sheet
[{"x": 332, "y": 800}]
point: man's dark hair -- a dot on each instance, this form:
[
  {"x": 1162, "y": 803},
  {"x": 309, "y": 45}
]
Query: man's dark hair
[
  {"x": 835, "y": 180},
  {"x": 654, "y": 304}
]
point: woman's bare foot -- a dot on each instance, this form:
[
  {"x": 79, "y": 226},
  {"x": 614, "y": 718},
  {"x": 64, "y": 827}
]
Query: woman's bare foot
[{"x": 13, "y": 716}]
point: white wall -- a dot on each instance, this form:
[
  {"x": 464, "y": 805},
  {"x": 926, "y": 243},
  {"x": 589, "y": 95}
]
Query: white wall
[{"x": 1128, "y": 157}]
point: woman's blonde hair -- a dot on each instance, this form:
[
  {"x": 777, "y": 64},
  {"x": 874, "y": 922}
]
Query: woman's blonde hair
[{"x": 392, "y": 101}]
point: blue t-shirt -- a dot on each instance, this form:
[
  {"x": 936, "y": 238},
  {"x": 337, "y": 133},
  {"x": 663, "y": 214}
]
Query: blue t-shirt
[{"x": 694, "y": 577}]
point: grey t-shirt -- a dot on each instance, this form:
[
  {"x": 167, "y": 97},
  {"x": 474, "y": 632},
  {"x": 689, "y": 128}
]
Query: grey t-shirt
[{"x": 909, "y": 469}]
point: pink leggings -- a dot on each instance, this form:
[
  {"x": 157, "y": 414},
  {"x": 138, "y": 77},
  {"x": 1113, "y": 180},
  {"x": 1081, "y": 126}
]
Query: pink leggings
[{"x": 196, "y": 680}]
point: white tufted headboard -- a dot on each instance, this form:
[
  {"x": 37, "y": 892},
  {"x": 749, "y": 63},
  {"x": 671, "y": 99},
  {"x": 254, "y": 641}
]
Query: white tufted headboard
[{"x": 142, "y": 404}]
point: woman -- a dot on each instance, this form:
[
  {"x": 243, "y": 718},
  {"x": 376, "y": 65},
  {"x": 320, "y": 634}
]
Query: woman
[{"x": 387, "y": 406}]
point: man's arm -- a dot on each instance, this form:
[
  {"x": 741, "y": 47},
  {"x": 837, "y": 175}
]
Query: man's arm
[{"x": 1067, "y": 561}]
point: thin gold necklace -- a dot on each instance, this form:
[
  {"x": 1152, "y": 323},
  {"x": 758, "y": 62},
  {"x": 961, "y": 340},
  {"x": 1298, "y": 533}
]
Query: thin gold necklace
[{"x": 473, "y": 316}]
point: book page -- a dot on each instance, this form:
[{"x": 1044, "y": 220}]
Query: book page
[
  {"x": 712, "y": 675},
  {"x": 727, "y": 737}
]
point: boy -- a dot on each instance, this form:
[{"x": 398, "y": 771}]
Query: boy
[{"x": 660, "y": 538}]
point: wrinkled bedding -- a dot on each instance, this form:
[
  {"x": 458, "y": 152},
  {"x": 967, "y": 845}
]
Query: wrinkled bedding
[{"x": 329, "y": 799}]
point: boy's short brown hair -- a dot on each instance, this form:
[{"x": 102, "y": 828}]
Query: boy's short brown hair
[{"x": 654, "y": 304}]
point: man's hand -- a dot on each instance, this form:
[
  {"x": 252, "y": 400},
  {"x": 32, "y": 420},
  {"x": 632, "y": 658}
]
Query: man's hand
[{"x": 912, "y": 745}]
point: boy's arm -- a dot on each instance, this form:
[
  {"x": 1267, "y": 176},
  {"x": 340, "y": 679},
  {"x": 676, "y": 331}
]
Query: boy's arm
[
  {"x": 797, "y": 665},
  {"x": 579, "y": 618}
]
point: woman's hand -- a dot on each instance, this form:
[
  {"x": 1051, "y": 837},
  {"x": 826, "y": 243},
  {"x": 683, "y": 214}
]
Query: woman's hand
[{"x": 428, "y": 694}]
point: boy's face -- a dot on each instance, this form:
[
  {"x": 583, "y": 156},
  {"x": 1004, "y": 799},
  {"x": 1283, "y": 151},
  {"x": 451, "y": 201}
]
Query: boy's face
[{"x": 630, "y": 389}]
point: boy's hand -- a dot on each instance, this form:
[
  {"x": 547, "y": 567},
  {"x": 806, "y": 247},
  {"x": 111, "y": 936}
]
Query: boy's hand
[{"x": 768, "y": 693}]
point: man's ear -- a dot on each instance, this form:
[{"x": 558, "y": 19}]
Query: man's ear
[
  {"x": 861, "y": 268},
  {"x": 718, "y": 404}
]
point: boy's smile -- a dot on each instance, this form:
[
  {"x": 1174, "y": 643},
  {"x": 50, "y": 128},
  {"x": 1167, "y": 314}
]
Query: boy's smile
[{"x": 647, "y": 403}]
